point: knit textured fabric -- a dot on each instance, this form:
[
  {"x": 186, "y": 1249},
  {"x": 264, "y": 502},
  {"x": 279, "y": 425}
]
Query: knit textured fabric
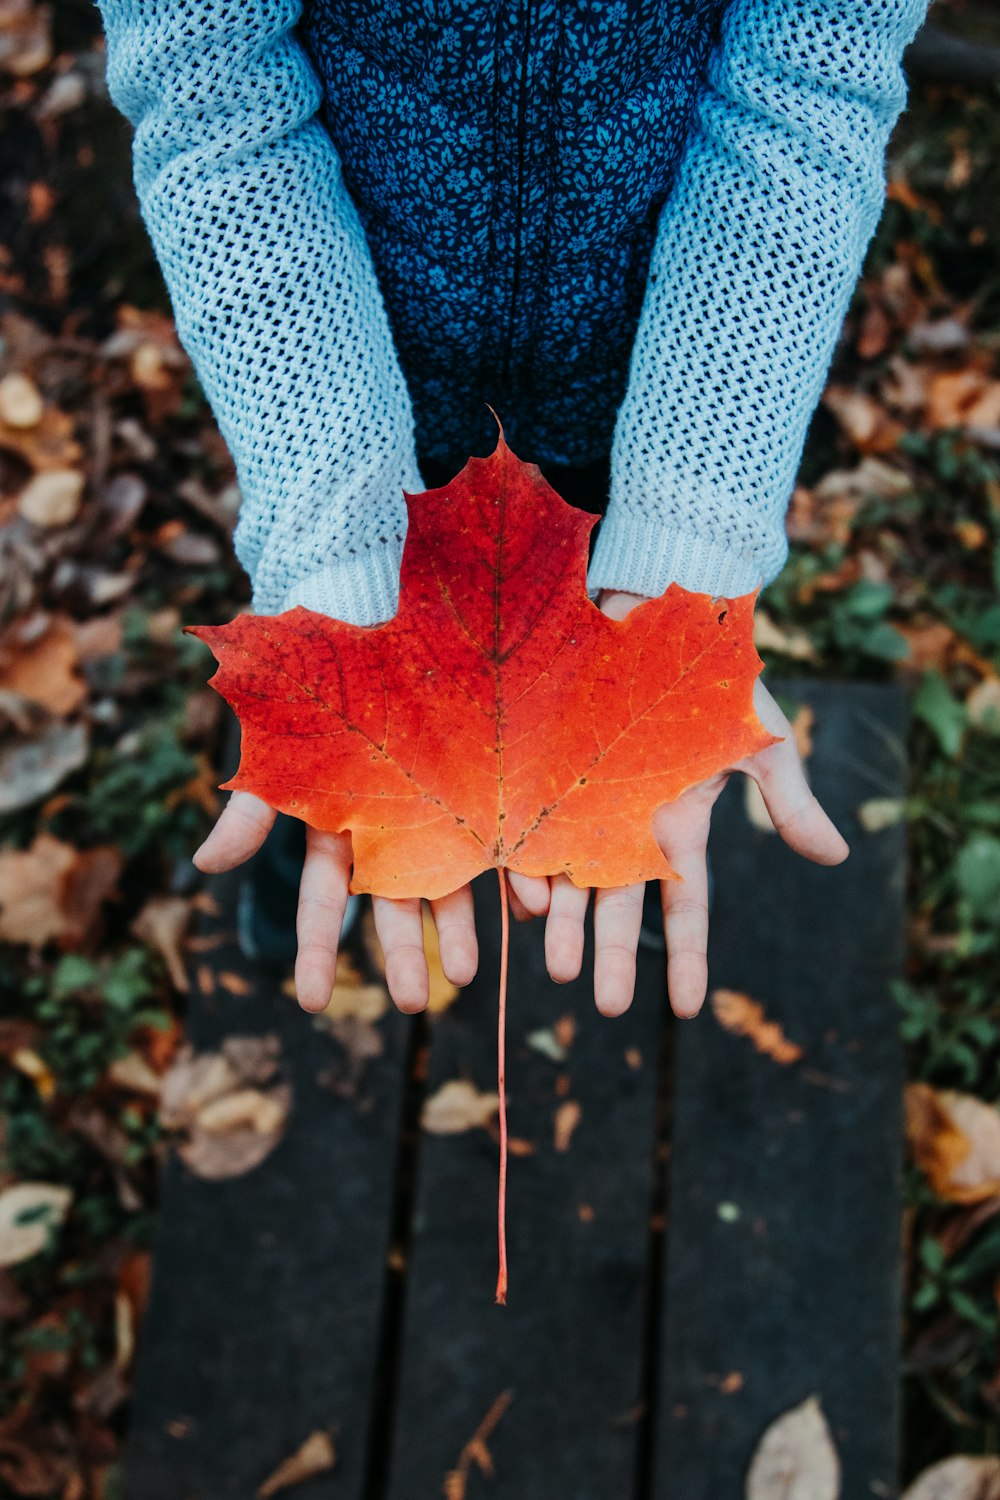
[
  {"x": 509, "y": 160},
  {"x": 776, "y": 187}
]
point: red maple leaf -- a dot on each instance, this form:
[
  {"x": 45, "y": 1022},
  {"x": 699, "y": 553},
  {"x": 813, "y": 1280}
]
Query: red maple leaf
[{"x": 499, "y": 719}]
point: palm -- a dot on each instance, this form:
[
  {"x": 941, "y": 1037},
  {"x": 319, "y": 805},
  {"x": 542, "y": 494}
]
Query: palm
[{"x": 681, "y": 829}]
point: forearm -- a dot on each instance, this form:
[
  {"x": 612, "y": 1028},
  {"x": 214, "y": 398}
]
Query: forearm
[
  {"x": 274, "y": 294},
  {"x": 758, "y": 250}
]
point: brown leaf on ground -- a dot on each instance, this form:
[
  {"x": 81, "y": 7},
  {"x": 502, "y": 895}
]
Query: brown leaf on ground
[
  {"x": 44, "y": 670},
  {"x": 29, "y": 1213},
  {"x": 132, "y": 1072},
  {"x": 881, "y": 812},
  {"x": 25, "y": 48},
  {"x": 162, "y": 924},
  {"x": 958, "y": 1479},
  {"x": 955, "y": 1140},
  {"x": 785, "y": 640},
  {"x": 796, "y": 1458},
  {"x": 54, "y": 892},
  {"x": 745, "y": 1017},
  {"x": 568, "y": 1117},
  {"x": 52, "y": 498},
  {"x": 234, "y": 1135},
  {"x": 983, "y": 705},
  {"x": 351, "y": 998},
  {"x": 47, "y": 445},
  {"x": 962, "y": 398},
  {"x": 864, "y": 420},
  {"x": 476, "y": 1452},
  {"x": 230, "y": 1117},
  {"x": 457, "y": 1106},
  {"x": 21, "y": 403},
  {"x": 316, "y": 1456},
  {"x": 31, "y": 769}
]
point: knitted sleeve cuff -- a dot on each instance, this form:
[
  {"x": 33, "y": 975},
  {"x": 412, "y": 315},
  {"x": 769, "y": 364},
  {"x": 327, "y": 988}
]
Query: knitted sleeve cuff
[
  {"x": 361, "y": 590},
  {"x": 645, "y": 557}
]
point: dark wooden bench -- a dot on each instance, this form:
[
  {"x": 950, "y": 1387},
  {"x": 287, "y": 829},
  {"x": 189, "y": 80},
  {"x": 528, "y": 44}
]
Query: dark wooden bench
[{"x": 719, "y": 1241}]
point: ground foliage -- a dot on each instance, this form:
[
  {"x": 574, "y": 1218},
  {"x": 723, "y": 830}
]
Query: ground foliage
[{"x": 116, "y": 504}]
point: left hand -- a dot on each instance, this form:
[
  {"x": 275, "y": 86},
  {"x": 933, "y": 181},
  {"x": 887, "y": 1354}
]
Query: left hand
[{"x": 681, "y": 830}]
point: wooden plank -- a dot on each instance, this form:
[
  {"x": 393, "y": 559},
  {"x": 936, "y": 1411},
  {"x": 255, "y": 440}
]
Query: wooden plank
[
  {"x": 569, "y": 1345},
  {"x": 782, "y": 1275},
  {"x": 268, "y": 1289}
]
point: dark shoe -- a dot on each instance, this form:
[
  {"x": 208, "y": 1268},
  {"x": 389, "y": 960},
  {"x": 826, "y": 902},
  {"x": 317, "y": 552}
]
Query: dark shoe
[
  {"x": 269, "y": 895},
  {"x": 651, "y": 931}
]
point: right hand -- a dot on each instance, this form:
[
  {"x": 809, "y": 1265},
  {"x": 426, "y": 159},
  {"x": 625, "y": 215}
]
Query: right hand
[{"x": 242, "y": 827}]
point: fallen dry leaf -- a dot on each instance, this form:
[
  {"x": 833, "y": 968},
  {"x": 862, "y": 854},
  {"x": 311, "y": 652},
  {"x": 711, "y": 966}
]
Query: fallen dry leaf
[
  {"x": 545, "y": 1041},
  {"x": 52, "y": 498},
  {"x": 49, "y": 444},
  {"x": 25, "y": 41},
  {"x": 133, "y": 1072},
  {"x": 44, "y": 670},
  {"x": 958, "y": 1479},
  {"x": 955, "y": 1140},
  {"x": 30, "y": 770},
  {"x": 787, "y": 640},
  {"x": 568, "y": 1117},
  {"x": 162, "y": 924},
  {"x": 745, "y": 1017},
  {"x": 983, "y": 705},
  {"x": 351, "y": 999},
  {"x": 21, "y": 403},
  {"x": 54, "y": 892},
  {"x": 962, "y": 398},
  {"x": 796, "y": 1458},
  {"x": 228, "y": 1121},
  {"x": 458, "y": 1106},
  {"x": 864, "y": 420},
  {"x": 28, "y": 1062},
  {"x": 316, "y": 1456},
  {"x": 880, "y": 813},
  {"x": 476, "y": 1452},
  {"x": 29, "y": 1212}
]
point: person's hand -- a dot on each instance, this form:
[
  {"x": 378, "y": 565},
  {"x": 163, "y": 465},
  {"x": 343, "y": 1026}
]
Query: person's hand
[
  {"x": 681, "y": 830},
  {"x": 242, "y": 827}
]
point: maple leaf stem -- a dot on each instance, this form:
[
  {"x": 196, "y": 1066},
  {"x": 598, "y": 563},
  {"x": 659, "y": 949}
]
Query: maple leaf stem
[{"x": 501, "y": 1090}]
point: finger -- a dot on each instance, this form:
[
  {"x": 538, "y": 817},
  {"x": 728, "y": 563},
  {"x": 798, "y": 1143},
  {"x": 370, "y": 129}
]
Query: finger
[
  {"x": 323, "y": 890},
  {"x": 456, "y": 929},
  {"x": 242, "y": 827},
  {"x": 518, "y": 910},
  {"x": 617, "y": 919},
  {"x": 792, "y": 807},
  {"x": 564, "y": 929},
  {"x": 684, "y": 842},
  {"x": 400, "y": 931},
  {"x": 531, "y": 892}
]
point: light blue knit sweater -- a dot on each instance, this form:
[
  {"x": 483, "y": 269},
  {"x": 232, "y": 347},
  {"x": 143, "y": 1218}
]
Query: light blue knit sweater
[{"x": 758, "y": 247}]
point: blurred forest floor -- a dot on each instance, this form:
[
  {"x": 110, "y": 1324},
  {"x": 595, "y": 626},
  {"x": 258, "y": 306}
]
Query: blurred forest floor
[{"x": 117, "y": 499}]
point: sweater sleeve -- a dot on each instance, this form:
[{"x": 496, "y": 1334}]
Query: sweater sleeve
[
  {"x": 274, "y": 294},
  {"x": 758, "y": 249}
]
